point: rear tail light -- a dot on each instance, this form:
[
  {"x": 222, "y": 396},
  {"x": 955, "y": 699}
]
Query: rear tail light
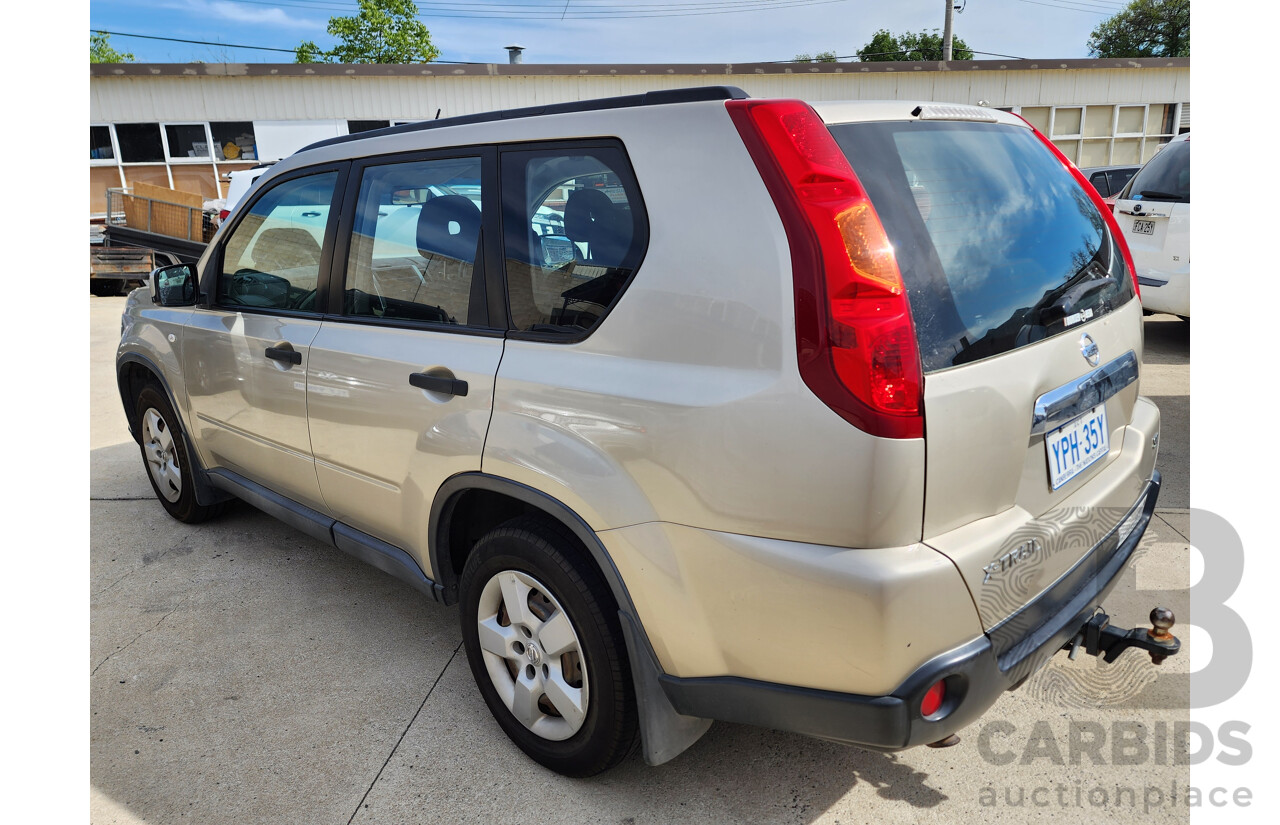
[
  {"x": 854, "y": 335},
  {"x": 1107, "y": 209}
]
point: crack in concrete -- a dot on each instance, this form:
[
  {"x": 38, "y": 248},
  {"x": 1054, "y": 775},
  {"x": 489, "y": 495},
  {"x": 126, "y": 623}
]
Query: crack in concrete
[
  {"x": 143, "y": 633},
  {"x": 403, "y": 734},
  {"x": 1174, "y": 529}
]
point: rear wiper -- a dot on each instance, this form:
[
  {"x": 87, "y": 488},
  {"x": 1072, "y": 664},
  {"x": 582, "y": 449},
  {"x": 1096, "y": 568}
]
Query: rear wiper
[
  {"x": 1062, "y": 301},
  {"x": 1153, "y": 193}
]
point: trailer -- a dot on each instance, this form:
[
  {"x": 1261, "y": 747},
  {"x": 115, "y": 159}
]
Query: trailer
[{"x": 146, "y": 227}]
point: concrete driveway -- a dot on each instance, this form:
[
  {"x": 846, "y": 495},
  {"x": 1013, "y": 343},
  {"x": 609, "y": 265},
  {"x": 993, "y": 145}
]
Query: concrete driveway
[{"x": 241, "y": 672}]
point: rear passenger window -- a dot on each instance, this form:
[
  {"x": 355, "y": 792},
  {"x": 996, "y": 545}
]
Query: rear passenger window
[
  {"x": 415, "y": 244},
  {"x": 272, "y": 259},
  {"x": 573, "y": 232}
]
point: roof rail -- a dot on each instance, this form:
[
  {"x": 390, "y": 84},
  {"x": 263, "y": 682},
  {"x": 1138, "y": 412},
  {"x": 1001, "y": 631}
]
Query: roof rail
[{"x": 656, "y": 98}]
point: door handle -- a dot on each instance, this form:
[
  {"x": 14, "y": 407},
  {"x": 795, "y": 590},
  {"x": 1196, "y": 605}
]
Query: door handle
[
  {"x": 436, "y": 383},
  {"x": 287, "y": 354},
  {"x": 312, "y": 214}
]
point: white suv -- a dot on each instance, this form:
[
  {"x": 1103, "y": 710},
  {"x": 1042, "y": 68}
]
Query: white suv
[
  {"x": 1154, "y": 212},
  {"x": 823, "y": 418}
]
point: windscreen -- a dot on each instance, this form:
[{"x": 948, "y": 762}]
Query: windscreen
[
  {"x": 998, "y": 245},
  {"x": 1166, "y": 177}
]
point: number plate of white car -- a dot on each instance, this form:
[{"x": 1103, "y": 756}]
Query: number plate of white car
[
  {"x": 1144, "y": 227},
  {"x": 1076, "y": 445}
]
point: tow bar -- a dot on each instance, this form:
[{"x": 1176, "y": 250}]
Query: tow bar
[{"x": 1100, "y": 638}]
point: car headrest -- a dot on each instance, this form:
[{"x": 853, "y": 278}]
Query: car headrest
[
  {"x": 590, "y": 217},
  {"x": 449, "y": 225},
  {"x": 285, "y": 248}
]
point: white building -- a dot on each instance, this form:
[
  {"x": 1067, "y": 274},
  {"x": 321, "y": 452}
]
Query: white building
[{"x": 185, "y": 125}]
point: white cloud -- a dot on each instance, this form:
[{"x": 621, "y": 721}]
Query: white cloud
[{"x": 258, "y": 15}]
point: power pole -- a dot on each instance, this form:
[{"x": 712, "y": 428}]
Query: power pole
[{"x": 946, "y": 31}]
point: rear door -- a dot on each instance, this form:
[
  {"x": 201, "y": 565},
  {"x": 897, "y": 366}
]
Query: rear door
[
  {"x": 401, "y": 381},
  {"x": 1017, "y": 292}
]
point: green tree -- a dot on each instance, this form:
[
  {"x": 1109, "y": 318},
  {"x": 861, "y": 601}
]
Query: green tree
[
  {"x": 100, "y": 50},
  {"x": 820, "y": 57},
  {"x": 922, "y": 45},
  {"x": 1145, "y": 28},
  {"x": 384, "y": 31}
]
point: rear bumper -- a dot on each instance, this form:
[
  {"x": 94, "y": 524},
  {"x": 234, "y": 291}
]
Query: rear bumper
[{"x": 976, "y": 672}]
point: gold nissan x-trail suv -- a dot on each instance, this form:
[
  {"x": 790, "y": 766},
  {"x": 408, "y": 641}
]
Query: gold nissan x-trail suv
[{"x": 818, "y": 417}]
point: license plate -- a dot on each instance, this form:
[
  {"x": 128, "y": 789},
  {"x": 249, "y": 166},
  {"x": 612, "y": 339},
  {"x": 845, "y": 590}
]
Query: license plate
[
  {"x": 1075, "y": 445},
  {"x": 1144, "y": 227}
]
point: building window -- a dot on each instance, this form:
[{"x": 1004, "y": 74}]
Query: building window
[
  {"x": 234, "y": 141},
  {"x": 187, "y": 141},
  {"x": 1106, "y": 135},
  {"x": 100, "y": 147},
  {"x": 140, "y": 142}
]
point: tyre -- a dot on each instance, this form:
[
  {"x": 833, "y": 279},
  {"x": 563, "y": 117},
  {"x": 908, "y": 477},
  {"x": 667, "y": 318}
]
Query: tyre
[
  {"x": 164, "y": 452},
  {"x": 545, "y": 646}
]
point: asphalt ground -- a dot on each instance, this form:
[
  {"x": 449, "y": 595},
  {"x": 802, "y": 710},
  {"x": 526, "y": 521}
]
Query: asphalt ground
[{"x": 241, "y": 672}]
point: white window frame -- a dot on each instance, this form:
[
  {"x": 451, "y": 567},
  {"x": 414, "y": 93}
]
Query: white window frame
[{"x": 171, "y": 158}]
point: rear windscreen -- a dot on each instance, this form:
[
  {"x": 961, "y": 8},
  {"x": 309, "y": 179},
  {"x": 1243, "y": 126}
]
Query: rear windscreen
[
  {"x": 998, "y": 245},
  {"x": 1166, "y": 177}
]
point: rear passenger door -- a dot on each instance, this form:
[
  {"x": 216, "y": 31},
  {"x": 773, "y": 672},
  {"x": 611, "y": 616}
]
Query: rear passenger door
[{"x": 401, "y": 380}]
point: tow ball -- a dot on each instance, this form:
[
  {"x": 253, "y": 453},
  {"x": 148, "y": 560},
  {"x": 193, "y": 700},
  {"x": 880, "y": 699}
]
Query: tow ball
[{"x": 1099, "y": 638}]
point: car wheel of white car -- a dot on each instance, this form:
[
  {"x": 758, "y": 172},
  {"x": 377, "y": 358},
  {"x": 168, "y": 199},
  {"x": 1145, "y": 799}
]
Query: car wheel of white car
[{"x": 546, "y": 649}]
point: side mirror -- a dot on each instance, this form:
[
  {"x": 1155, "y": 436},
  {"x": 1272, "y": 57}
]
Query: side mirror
[
  {"x": 174, "y": 286},
  {"x": 557, "y": 250}
]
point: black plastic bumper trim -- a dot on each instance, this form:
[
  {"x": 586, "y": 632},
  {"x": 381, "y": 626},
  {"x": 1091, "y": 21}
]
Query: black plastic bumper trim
[{"x": 975, "y": 675}]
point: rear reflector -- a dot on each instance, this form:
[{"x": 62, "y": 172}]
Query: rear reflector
[
  {"x": 855, "y": 341},
  {"x": 933, "y": 698},
  {"x": 1098, "y": 201}
]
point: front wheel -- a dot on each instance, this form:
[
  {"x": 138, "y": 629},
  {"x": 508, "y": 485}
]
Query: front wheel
[
  {"x": 545, "y": 646},
  {"x": 164, "y": 451}
]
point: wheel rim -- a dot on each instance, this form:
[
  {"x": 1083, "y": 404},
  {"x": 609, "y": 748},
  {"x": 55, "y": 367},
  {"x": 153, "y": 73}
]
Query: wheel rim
[
  {"x": 533, "y": 655},
  {"x": 162, "y": 455}
]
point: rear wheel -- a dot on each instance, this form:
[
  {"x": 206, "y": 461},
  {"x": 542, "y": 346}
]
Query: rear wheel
[
  {"x": 164, "y": 452},
  {"x": 546, "y": 649}
]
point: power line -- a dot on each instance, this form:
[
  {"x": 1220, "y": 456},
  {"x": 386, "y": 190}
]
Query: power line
[
  {"x": 197, "y": 42},
  {"x": 533, "y": 11},
  {"x": 224, "y": 45},
  {"x": 1095, "y": 12}
]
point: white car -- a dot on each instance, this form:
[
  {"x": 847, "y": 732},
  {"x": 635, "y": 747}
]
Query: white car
[
  {"x": 1154, "y": 213},
  {"x": 239, "y": 184}
]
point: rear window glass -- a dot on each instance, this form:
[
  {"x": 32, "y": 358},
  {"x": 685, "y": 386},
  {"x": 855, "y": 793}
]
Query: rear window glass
[
  {"x": 998, "y": 245},
  {"x": 1166, "y": 177}
]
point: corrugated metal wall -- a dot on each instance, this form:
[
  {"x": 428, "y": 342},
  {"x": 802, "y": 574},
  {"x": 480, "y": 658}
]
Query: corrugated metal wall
[{"x": 122, "y": 99}]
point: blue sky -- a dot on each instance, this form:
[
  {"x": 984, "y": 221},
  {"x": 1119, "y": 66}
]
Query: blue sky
[{"x": 624, "y": 32}]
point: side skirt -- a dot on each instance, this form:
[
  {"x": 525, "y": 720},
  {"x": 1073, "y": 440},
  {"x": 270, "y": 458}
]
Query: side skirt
[{"x": 386, "y": 557}]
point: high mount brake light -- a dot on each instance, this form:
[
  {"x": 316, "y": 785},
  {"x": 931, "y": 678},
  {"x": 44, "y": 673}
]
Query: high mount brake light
[
  {"x": 1107, "y": 214},
  {"x": 855, "y": 341}
]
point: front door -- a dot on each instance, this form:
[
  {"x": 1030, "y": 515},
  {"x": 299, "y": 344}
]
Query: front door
[{"x": 245, "y": 356}]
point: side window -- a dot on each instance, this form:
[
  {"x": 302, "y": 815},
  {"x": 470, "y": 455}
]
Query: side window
[
  {"x": 1099, "y": 181},
  {"x": 415, "y": 243},
  {"x": 573, "y": 233},
  {"x": 272, "y": 259}
]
